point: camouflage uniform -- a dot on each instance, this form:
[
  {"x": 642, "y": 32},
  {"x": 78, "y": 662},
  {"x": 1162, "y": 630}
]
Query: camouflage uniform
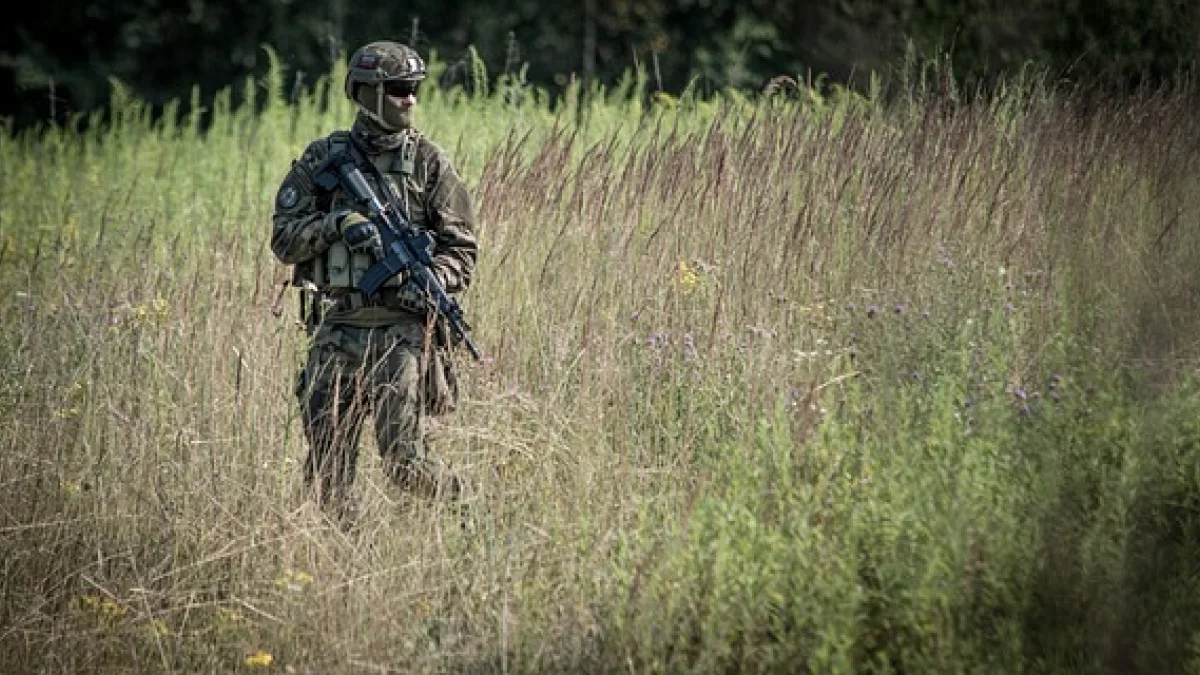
[{"x": 382, "y": 356}]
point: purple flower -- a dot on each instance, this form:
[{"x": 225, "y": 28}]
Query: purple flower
[
  {"x": 872, "y": 310},
  {"x": 1017, "y": 392},
  {"x": 899, "y": 308},
  {"x": 689, "y": 345}
]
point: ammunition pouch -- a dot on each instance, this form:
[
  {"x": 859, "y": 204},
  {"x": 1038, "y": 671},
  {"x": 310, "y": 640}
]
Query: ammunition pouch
[{"x": 390, "y": 297}]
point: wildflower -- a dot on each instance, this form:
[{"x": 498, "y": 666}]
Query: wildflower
[
  {"x": 686, "y": 276},
  {"x": 689, "y": 345},
  {"x": 872, "y": 310},
  {"x": 103, "y": 607},
  {"x": 294, "y": 581},
  {"x": 148, "y": 315},
  {"x": 229, "y": 615},
  {"x": 899, "y": 309},
  {"x": 943, "y": 255},
  {"x": 259, "y": 659},
  {"x": 1017, "y": 392},
  {"x": 659, "y": 340}
]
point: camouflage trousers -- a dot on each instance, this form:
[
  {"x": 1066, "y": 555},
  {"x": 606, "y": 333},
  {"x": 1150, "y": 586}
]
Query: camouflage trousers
[{"x": 383, "y": 373}]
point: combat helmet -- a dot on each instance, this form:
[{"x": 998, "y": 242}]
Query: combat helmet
[{"x": 383, "y": 61}]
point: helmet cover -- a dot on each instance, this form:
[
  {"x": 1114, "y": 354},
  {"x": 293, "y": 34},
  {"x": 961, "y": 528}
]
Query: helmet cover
[{"x": 383, "y": 61}]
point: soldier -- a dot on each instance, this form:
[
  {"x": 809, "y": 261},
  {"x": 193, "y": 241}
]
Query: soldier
[{"x": 383, "y": 356}]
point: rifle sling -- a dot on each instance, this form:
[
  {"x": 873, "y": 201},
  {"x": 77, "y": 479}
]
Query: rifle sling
[{"x": 384, "y": 184}]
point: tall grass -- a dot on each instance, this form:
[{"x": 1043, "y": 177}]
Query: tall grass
[{"x": 772, "y": 384}]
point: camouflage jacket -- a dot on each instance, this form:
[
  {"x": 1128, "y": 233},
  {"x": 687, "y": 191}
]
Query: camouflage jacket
[{"x": 432, "y": 195}]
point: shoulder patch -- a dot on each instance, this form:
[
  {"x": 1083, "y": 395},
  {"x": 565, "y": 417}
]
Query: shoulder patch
[{"x": 288, "y": 197}]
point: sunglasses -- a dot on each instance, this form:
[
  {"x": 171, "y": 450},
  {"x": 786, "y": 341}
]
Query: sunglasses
[{"x": 401, "y": 88}]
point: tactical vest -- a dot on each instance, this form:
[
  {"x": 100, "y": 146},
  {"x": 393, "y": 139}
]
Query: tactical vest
[{"x": 338, "y": 268}]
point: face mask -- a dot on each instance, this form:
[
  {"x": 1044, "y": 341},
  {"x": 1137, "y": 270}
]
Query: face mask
[{"x": 386, "y": 111}]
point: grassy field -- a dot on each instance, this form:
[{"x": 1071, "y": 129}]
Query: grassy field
[{"x": 772, "y": 384}]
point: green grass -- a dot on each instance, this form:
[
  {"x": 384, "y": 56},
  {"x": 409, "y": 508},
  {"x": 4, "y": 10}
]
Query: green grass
[{"x": 772, "y": 384}]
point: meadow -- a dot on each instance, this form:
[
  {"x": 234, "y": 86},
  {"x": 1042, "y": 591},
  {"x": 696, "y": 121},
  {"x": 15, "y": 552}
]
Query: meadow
[{"x": 903, "y": 382}]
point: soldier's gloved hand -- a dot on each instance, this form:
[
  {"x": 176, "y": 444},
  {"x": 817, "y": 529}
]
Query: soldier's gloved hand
[{"x": 361, "y": 235}]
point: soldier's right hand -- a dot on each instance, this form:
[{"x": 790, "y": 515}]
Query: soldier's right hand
[{"x": 361, "y": 235}]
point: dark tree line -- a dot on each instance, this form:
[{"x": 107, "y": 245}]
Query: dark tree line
[{"x": 59, "y": 61}]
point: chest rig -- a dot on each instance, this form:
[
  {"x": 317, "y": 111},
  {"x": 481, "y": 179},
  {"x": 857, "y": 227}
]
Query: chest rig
[{"x": 339, "y": 269}]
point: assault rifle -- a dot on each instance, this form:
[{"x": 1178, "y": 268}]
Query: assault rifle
[{"x": 406, "y": 248}]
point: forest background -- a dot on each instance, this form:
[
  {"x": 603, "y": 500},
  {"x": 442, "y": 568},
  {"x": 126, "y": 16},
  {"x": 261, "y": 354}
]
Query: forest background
[
  {"x": 62, "y": 59},
  {"x": 902, "y": 382}
]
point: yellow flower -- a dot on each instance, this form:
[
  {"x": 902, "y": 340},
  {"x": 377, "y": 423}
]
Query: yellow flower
[
  {"x": 686, "y": 276},
  {"x": 103, "y": 607},
  {"x": 228, "y": 615},
  {"x": 151, "y": 314},
  {"x": 259, "y": 659},
  {"x": 294, "y": 580}
]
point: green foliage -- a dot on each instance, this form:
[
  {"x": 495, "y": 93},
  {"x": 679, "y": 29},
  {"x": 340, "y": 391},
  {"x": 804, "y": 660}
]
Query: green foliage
[{"x": 799, "y": 381}]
